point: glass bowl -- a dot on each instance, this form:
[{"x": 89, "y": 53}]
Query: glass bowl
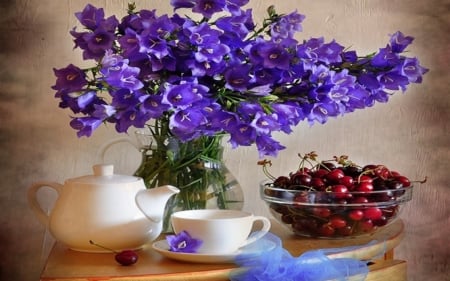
[{"x": 332, "y": 215}]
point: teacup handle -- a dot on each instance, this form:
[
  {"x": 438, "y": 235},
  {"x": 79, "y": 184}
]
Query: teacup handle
[
  {"x": 33, "y": 202},
  {"x": 102, "y": 150},
  {"x": 264, "y": 229}
]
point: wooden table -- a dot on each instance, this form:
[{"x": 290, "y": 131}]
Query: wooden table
[{"x": 64, "y": 264}]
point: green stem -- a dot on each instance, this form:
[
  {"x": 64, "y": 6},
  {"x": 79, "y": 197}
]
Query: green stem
[{"x": 195, "y": 167}]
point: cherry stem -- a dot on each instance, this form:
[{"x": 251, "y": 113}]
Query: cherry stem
[
  {"x": 103, "y": 247},
  {"x": 265, "y": 163},
  {"x": 422, "y": 181}
]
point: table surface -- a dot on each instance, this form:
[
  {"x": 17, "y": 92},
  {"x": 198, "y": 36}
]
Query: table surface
[{"x": 65, "y": 264}]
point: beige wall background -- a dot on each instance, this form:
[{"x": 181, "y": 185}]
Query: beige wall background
[{"x": 410, "y": 133}]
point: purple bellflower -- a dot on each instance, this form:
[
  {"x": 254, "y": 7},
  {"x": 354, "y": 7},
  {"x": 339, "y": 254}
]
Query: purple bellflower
[
  {"x": 222, "y": 74},
  {"x": 183, "y": 243}
]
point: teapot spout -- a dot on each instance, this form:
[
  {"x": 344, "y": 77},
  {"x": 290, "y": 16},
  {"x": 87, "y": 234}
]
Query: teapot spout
[{"x": 152, "y": 202}]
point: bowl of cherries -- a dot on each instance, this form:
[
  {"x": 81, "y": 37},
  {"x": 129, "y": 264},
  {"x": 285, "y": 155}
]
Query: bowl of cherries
[{"x": 335, "y": 198}]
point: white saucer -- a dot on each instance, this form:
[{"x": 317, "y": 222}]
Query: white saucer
[{"x": 162, "y": 247}]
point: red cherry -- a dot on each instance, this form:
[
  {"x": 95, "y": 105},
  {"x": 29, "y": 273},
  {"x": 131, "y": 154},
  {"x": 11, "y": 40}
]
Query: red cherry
[
  {"x": 337, "y": 221},
  {"x": 300, "y": 178},
  {"x": 282, "y": 182},
  {"x": 335, "y": 175},
  {"x": 353, "y": 171},
  {"x": 304, "y": 170},
  {"x": 126, "y": 257},
  {"x": 373, "y": 213},
  {"x": 404, "y": 180},
  {"x": 366, "y": 225},
  {"x": 306, "y": 224},
  {"x": 340, "y": 191},
  {"x": 347, "y": 181},
  {"x": 364, "y": 187},
  {"x": 326, "y": 230},
  {"x": 382, "y": 172},
  {"x": 320, "y": 173},
  {"x": 301, "y": 197},
  {"x": 359, "y": 200},
  {"x": 329, "y": 165},
  {"x": 345, "y": 231},
  {"x": 365, "y": 178},
  {"x": 369, "y": 167},
  {"x": 390, "y": 212},
  {"x": 356, "y": 215},
  {"x": 318, "y": 184},
  {"x": 381, "y": 221},
  {"x": 321, "y": 212}
]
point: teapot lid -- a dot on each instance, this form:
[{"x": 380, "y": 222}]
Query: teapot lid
[{"x": 104, "y": 174}]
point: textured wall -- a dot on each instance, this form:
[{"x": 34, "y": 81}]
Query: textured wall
[{"x": 410, "y": 133}]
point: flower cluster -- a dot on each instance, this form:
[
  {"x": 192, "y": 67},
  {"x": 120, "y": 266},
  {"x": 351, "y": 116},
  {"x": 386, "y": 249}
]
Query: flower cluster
[{"x": 221, "y": 74}]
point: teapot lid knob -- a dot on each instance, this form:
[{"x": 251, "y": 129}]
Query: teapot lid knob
[{"x": 103, "y": 170}]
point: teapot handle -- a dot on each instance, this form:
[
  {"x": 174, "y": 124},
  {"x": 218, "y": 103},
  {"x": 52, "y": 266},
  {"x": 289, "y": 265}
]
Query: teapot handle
[
  {"x": 102, "y": 151},
  {"x": 33, "y": 202}
]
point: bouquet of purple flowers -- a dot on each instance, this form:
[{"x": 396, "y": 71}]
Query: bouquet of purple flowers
[{"x": 221, "y": 74}]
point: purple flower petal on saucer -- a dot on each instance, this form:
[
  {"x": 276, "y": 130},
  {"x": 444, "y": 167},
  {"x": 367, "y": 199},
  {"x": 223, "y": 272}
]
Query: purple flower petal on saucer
[{"x": 183, "y": 242}]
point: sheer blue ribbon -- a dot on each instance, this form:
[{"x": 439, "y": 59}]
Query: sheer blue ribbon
[{"x": 267, "y": 260}]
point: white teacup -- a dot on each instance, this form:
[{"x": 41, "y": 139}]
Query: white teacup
[{"x": 222, "y": 231}]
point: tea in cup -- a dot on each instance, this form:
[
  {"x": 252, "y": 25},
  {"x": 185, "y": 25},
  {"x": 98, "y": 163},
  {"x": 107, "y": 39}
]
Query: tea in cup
[{"x": 221, "y": 231}]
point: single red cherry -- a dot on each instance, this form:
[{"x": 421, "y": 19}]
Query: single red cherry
[
  {"x": 369, "y": 167},
  {"x": 282, "y": 182},
  {"x": 304, "y": 170},
  {"x": 353, "y": 171},
  {"x": 359, "y": 200},
  {"x": 337, "y": 221},
  {"x": 306, "y": 224},
  {"x": 390, "y": 212},
  {"x": 320, "y": 173},
  {"x": 379, "y": 184},
  {"x": 321, "y": 212},
  {"x": 345, "y": 231},
  {"x": 300, "y": 178},
  {"x": 318, "y": 184},
  {"x": 339, "y": 191},
  {"x": 356, "y": 215},
  {"x": 301, "y": 197},
  {"x": 404, "y": 180},
  {"x": 335, "y": 175},
  {"x": 366, "y": 225},
  {"x": 382, "y": 172},
  {"x": 326, "y": 230},
  {"x": 373, "y": 213},
  {"x": 364, "y": 187},
  {"x": 328, "y": 165},
  {"x": 381, "y": 221},
  {"x": 125, "y": 257},
  {"x": 365, "y": 178},
  {"x": 347, "y": 181}
]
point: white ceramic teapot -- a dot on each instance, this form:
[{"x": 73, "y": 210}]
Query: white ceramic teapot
[{"x": 115, "y": 211}]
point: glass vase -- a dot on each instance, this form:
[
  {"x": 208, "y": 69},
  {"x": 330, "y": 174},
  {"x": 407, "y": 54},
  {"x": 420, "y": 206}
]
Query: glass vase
[{"x": 195, "y": 167}]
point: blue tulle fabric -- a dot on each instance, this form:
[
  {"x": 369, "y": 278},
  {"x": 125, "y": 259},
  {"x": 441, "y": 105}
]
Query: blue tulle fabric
[{"x": 267, "y": 260}]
